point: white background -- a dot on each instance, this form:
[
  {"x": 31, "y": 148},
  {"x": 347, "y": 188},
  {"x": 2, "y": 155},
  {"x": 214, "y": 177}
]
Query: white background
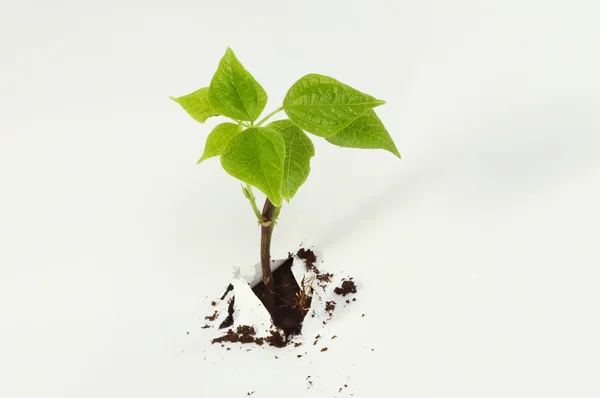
[{"x": 475, "y": 254}]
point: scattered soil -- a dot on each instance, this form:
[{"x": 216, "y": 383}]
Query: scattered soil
[
  {"x": 292, "y": 302},
  {"x": 325, "y": 277},
  {"x": 310, "y": 258},
  {"x": 247, "y": 334},
  {"x": 276, "y": 339},
  {"x": 317, "y": 337},
  {"x": 309, "y": 381},
  {"x": 348, "y": 286},
  {"x": 330, "y": 307},
  {"x": 211, "y": 317}
]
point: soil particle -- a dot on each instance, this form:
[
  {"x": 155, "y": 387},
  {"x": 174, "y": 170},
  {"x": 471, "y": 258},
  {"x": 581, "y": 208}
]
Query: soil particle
[
  {"x": 325, "y": 277},
  {"x": 247, "y": 334},
  {"x": 324, "y": 349},
  {"x": 310, "y": 258},
  {"x": 317, "y": 337},
  {"x": 297, "y": 344},
  {"x": 333, "y": 337},
  {"x": 348, "y": 286},
  {"x": 276, "y": 339},
  {"x": 299, "y": 356},
  {"x": 330, "y": 307},
  {"x": 211, "y": 317},
  {"x": 213, "y": 303},
  {"x": 309, "y": 381},
  {"x": 243, "y": 334},
  {"x": 206, "y": 326}
]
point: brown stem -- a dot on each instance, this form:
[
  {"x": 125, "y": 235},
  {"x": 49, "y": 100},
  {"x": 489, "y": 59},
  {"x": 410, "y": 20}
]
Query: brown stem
[{"x": 266, "y": 231}]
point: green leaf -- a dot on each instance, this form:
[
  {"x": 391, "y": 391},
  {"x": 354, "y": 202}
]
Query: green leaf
[
  {"x": 196, "y": 105},
  {"x": 298, "y": 151},
  {"x": 218, "y": 139},
  {"x": 234, "y": 92},
  {"x": 323, "y": 106},
  {"x": 256, "y": 157},
  {"x": 367, "y": 132}
]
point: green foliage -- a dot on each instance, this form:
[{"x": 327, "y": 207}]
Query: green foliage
[
  {"x": 366, "y": 132},
  {"x": 256, "y": 156},
  {"x": 234, "y": 92},
  {"x": 323, "y": 106},
  {"x": 298, "y": 151},
  {"x": 218, "y": 139},
  {"x": 276, "y": 158},
  {"x": 196, "y": 105}
]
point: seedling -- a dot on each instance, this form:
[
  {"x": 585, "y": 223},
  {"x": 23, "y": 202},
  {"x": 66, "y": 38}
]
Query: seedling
[{"x": 275, "y": 157}]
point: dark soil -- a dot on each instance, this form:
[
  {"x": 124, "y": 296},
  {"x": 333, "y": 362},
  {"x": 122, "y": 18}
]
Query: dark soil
[
  {"x": 211, "y": 317},
  {"x": 292, "y": 303},
  {"x": 348, "y": 286},
  {"x": 229, "y": 288},
  {"x": 227, "y": 322},
  {"x": 311, "y": 259},
  {"x": 247, "y": 335},
  {"x": 330, "y": 307},
  {"x": 290, "y": 307}
]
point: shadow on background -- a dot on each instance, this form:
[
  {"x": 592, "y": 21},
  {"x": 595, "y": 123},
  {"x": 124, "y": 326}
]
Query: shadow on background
[{"x": 519, "y": 151}]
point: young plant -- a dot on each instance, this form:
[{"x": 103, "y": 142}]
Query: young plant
[{"x": 275, "y": 157}]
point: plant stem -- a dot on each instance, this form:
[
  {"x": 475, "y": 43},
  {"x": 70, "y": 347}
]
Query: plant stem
[
  {"x": 266, "y": 231},
  {"x": 268, "y": 116}
]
